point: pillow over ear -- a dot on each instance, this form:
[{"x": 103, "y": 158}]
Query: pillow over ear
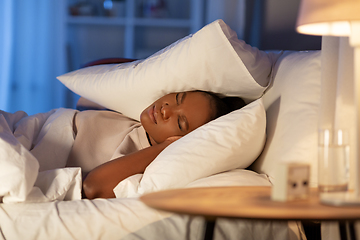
[
  {"x": 231, "y": 141},
  {"x": 212, "y": 59}
]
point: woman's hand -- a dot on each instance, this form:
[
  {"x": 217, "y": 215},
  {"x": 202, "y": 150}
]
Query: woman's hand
[{"x": 101, "y": 181}]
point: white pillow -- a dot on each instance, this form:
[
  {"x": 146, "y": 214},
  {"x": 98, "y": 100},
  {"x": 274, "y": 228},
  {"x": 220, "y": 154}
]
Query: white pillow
[
  {"x": 213, "y": 59},
  {"x": 231, "y": 141},
  {"x": 292, "y": 110}
]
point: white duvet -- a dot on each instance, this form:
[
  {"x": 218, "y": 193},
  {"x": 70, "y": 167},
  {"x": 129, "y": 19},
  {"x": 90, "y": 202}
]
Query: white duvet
[
  {"x": 33, "y": 155},
  {"x": 129, "y": 218},
  {"x": 32, "y": 170}
]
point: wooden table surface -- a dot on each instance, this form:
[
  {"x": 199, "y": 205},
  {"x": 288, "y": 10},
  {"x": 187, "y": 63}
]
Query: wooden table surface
[{"x": 245, "y": 202}]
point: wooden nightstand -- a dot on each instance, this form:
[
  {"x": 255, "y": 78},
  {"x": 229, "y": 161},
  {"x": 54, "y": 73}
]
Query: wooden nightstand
[{"x": 248, "y": 203}]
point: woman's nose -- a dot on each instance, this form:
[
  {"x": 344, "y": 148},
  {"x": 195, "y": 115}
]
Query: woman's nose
[{"x": 166, "y": 111}]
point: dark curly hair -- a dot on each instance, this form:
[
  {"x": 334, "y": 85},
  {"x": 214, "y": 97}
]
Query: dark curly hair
[{"x": 223, "y": 105}]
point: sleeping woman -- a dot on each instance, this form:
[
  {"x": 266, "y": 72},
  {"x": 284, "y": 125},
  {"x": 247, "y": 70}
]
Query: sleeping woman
[
  {"x": 136, "y": 144},
  {"x": 106, "y": 145}
]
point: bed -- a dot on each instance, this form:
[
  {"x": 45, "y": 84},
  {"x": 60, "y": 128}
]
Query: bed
[{"x": 279, "y": 124}]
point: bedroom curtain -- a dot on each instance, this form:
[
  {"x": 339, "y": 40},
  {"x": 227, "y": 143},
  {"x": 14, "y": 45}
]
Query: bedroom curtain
[
  {"x": 255, "y": 11},
  {"x": 245, "y": 17},
  {"x": 231, "y": 11},
  {"x": 31, "y": 55}
]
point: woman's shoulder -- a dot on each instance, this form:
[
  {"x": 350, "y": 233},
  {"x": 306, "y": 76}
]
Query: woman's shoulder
[
  {"x": 104, "y": 114},
  {"x": 103, "y": 117}
]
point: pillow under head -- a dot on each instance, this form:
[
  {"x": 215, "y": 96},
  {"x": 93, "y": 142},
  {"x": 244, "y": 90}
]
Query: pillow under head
[
  {"x": 229, "y": 142},
  {"x": 292, "y": 111}
]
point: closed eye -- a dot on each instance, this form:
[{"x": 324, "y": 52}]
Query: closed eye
[
  {"x": 180, "y": 97},
  {"x": 182, "y": 121},
  {"x": 179, "y": 124}
]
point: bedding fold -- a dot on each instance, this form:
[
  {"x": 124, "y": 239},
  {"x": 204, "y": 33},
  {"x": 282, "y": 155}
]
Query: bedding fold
[{"x": 32, "y": 165}]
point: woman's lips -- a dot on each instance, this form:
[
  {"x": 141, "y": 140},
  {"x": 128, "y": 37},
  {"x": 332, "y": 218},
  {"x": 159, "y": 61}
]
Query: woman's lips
[{"x": 152, "y": 114}]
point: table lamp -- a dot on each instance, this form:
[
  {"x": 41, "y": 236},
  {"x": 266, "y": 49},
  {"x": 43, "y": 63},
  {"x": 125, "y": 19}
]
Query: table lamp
[{"x": 337, "y": 18}]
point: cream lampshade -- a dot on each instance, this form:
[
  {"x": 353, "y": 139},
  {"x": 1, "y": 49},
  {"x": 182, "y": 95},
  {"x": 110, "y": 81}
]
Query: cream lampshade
[
  {"x": 337, "y": 18},
  {"x": 327, "y": 17}
]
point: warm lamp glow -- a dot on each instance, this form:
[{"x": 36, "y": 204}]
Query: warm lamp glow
[
  {"x": 327, "y": 17},
  {"x": 338, "y": 18},
  {"x": 327, "y": 29}
]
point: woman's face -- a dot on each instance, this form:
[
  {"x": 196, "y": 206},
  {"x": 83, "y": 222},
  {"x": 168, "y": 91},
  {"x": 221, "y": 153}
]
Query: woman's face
[{"x": 175, "y": 114}]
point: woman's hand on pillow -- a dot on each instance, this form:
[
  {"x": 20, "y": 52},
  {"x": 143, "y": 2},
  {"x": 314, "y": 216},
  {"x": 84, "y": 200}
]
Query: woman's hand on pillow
[{"x": 101, "y": 181}]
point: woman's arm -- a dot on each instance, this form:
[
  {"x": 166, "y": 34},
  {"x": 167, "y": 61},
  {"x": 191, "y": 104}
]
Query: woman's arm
[{"x": 101, "y": 181}]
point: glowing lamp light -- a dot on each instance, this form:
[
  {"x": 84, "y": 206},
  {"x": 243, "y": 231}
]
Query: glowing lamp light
[
  {"x": 328, "y": 17},
  {"x": 337, "y": 18}
]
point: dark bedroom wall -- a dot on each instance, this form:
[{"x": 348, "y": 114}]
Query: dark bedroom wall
[{"x": 275, "y": 24}]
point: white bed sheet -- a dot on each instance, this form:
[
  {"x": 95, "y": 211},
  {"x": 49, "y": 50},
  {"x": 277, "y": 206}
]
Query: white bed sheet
[{"x": 129, "y": 218}]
